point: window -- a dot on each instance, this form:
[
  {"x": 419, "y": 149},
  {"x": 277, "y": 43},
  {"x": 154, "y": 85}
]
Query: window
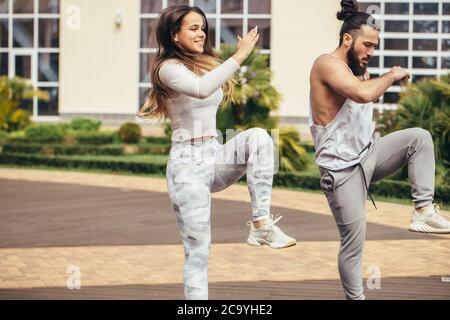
[
  {"x": 425, "y": 44},
  {"x": 29, "y": 48},
  {"x": 391, "y": 97},
  {"x": 396, "y": 44},
  {"x": 425, "y": 62},
  {"x": 426, "y": 8},
  {"x": 226, "y": 20},
  {"x": 425, "y": 26},
  {"x": 397, "y": 8},
  {"x": 390, "y": 62},
  {"x": 396, "y": 26}
]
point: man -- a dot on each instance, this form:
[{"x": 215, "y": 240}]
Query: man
[{"x": 347, "y": 153}]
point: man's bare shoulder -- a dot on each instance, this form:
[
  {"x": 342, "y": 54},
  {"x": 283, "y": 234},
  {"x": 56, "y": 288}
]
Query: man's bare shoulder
[{"x": 326, "y": 62}]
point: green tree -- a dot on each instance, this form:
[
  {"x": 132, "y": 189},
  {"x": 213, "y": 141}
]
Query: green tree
[
  {"x": 425, "y": 104},
  {"x": 254, "y": 96},
  {"x": 12, "y": 94}
]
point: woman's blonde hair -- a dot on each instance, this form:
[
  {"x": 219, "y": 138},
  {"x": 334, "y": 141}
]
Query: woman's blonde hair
[{"x": 169, "y": 23}]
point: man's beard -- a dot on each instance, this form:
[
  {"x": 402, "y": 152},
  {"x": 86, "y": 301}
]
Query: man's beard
[{"x": 355, "y": 64}]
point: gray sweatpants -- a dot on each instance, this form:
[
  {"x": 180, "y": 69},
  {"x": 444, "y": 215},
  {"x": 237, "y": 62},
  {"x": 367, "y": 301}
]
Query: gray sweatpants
[
  {"x": 346, "y": 193},
  {"x": 194, "y": 171}
]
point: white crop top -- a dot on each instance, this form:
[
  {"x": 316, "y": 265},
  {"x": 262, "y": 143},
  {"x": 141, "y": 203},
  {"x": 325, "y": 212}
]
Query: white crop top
[{"x": 193, "y": 107}]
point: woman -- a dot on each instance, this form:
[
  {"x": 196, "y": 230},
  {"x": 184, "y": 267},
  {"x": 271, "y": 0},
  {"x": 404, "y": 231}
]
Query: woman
[{"x": 189, "y": 83}]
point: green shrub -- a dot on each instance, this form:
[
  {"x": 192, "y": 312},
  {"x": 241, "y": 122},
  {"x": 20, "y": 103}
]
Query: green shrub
[
  {"x": 19, "y": 120},
  {"x": 388, "y": 188},
  {"x": 91, "y": 137},
  {"x": 85, "y": 124},
  {"x": 292, "y": 155},
  {"x": 13, "y": 92},
  {"x": 46, "y": 133},
  {"x": 130, "y": 133},
  {"x": 3, "y": 137},
  {"x": 158, "y": 140}
]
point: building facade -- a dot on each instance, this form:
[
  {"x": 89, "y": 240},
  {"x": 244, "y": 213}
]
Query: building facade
[{"x": 94, "y": 56}]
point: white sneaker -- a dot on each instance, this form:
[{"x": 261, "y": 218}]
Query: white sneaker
[
  {"x": 429, "y": 220},
  {"x": 269, "y": 234}
]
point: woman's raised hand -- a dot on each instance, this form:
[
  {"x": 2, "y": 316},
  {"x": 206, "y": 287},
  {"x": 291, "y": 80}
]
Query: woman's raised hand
[{"x": 245, "y": 45}]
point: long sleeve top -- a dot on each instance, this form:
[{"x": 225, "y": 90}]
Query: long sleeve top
[{"x": 192, "y": 107}]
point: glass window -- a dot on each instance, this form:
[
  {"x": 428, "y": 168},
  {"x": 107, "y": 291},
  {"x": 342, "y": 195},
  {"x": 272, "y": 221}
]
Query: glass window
[
  {"x": 4, "y": 6},
  {"x": 143, "y": 92},
  {"x": 363, "y": 6},
  {"x": 445, "y": 63},
  {"x": 208, "y": 6},
  {"x": 148, "y": 36},
  {"x": 151, "y": 6},
  {"x": 396, "y": 44},
  {"x": 426, "y": 8},
  {"x": 259, "y": 6},
  {"x": 374, "y": 62},
  {"x": 230, "y": 30},
  {"x": 390, "y": 61},
  {"x": 391, "y": 97},
  {"x": 50, "y": 107},
  {"x": 23, "y": 66},
  {"x": 212, "y": 32},
  {"x": 396, "y": 8},
  {"x": 4, "y": 34},
  {"x": 48, "y": 67},
  {"x": 424, "y": 62},
  {"x": 425, "y": 44},
  {"x": 48, "y": 6},
  {"x": 396, "y": 26},
  {"x": 232, "y": 6},
  {"x": 23, "y": 33},
  {"x": 145, "y": 66},
  {"x": 445, "y": 26},
  {"x": 49, "y": 33},
  {"x": 425, "y": 26},
  {"x": 177, "y": 2},
  {"x": 23, "y": 6},
  {"x": 4, "y": 63},
  {"x": 264, "y": 31},
  {"x": 446, "y": 8},
  {"x": 445, "y": 44}
]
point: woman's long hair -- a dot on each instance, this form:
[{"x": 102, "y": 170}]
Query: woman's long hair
[{"x": 169, "y": 23}]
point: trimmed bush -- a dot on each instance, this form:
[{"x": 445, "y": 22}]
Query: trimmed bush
[
  {"x": 82, "y": 149},
  {"x": 130, "y": 132},
  {"x": 3, "y": 137},
  {"x": 387, "y": 188},
  {"x": 102, "y": 137},
  {"x": 83, "y": 163},
  {"x": 45, "y": 133},
  {"x": 158, "y": 140},
  {"x": 85, "y": 124}
]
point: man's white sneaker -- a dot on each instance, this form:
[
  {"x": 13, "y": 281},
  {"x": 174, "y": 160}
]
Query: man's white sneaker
[
  {"x": 430, "y": 220},
  {"x": 270, "y": 235}
]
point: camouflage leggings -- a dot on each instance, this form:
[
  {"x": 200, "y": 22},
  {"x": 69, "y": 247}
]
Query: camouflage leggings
[{"x": 194, "y": 171}]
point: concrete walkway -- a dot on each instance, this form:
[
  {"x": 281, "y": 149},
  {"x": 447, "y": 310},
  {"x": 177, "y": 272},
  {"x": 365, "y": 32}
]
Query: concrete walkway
[{"x": 122, "y": 235}]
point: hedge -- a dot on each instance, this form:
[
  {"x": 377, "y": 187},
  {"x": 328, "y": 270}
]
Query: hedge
[
  {"x": 58, "y": 149},
  {"x": 73, "y": 162},
  {"x": 388, "y": 188}
]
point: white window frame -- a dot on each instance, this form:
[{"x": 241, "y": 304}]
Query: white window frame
[
  {"x": 410, "y": 53},
  {"x": 245, "y": 16},
  {"x": 34, "y": 52}
]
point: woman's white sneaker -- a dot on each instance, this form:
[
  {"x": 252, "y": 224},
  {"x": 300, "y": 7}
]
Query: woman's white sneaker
[
  {"x": 270, "y": 235},
  {"x": 429, "y": 220}
]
